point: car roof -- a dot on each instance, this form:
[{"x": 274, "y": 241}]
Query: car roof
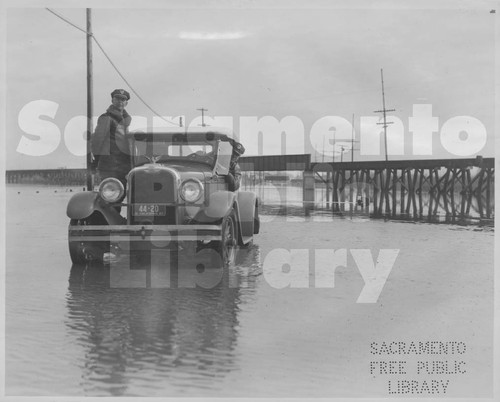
[{"x": 220, "y": 132}]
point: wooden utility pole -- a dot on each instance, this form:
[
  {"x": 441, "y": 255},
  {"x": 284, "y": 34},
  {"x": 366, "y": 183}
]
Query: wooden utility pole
[
  {"x": 90, "y": 111},
  {"x": 352, "y": 140},
  {"x": 323, "y": 156},
  {"x": 203, "y": 110},
  {"x": 384, "y": 111},
  {"x": 353, "y": 134},
  {"x": 333, "y": 147}
]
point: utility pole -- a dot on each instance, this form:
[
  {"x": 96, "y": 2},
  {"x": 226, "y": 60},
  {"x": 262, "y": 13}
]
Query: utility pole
[
  {"x": 203, "y": 110},
  {"x": 352, "y": 140},
  {"x": 90, "y": 111},
  {"x": 333, "y": 153},
  {"x": 323, "y": 156},
  {"x": 384, "y": 111}
]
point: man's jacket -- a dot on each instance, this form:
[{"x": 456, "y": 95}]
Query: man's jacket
[{"x": 108, "y": 143}]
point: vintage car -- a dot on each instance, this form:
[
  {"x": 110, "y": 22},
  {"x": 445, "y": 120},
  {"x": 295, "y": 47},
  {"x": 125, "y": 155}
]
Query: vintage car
[{"x": 180, "y": 193}]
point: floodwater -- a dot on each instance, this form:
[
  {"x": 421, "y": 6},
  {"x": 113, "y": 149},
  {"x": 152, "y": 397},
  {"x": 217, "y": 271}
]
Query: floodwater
[
  {"x": 76, "y": 332},
  {"x": 459, "y": 208}
]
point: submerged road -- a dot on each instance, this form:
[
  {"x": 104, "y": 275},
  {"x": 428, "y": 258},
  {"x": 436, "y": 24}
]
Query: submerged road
[{"x": 290, "y": 321}]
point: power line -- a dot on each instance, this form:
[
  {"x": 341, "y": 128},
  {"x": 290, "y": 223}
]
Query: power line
[
  {"x": 133, "y": 90},
  {"x": 114, "y": 66},
  {"x": 65, "y": 20}
]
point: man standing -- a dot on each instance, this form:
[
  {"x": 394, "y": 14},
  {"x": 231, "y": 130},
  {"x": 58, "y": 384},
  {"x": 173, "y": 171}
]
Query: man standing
[{"x": 109, "y": 145}]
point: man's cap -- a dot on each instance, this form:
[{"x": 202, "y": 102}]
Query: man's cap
[{"x": 120, "y": 93}]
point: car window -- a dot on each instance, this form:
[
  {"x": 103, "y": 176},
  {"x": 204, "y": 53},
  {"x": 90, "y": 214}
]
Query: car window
[
  {"x": 185, "y": 150},
  {"x": 161, "y": 151}
]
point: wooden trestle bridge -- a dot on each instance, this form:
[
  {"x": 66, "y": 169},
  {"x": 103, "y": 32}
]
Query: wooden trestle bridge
[
  {"x": 419, "y": 189},
  {"x": 453, "y": 189}
]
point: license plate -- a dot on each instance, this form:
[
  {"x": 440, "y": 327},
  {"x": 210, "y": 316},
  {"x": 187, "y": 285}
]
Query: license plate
[{"x": 149, "y": 210}]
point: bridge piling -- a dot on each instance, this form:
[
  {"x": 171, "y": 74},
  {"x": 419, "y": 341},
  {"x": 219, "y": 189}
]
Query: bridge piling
[{"x": 308, "y": 183}]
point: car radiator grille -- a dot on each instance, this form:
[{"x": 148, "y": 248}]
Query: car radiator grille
[{"x": 150, "y": 187}]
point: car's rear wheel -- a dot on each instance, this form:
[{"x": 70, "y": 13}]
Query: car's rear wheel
[
  {"x": 256, "y": 220},
  {"x": 227, "y": 246},
  {"x": 83, "y": 252}
]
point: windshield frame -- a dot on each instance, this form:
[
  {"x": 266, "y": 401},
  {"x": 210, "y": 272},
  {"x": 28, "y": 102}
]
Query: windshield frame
[
  {"x": 145, "y": 154},
  {"x": 223, "y": 147}
]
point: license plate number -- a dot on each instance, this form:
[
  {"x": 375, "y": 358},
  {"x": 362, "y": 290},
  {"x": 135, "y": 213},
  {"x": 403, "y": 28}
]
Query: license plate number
[{"x": 149, "y": 210}]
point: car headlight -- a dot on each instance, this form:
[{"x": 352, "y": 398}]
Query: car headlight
[
  {"x": 111, "y": 190},
  {"x": 191, "y": 190}
]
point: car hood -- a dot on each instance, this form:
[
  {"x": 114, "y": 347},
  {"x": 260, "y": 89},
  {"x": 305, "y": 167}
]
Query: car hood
[{"x": 199, "y": 171}]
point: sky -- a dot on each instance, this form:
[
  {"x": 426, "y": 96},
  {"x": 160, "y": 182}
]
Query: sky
[{"x": 304, "y": 69}]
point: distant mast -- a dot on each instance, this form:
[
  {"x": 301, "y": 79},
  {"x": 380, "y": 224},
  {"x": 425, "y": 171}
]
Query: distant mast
[
  {"x": 384, "y": 111},
  {"x": 90, "y": 111}
]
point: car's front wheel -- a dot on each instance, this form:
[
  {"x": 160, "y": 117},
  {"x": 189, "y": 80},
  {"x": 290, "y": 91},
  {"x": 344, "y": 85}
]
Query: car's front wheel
[
  {"x": 83, "y": 252},
  {"x": 77, "y": 253}
]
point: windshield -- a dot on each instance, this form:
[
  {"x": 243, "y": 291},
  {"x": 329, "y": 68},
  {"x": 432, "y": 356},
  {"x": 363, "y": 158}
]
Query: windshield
[{"x": 168, "y": 152}]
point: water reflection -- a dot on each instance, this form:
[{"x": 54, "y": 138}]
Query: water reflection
[
  {"x": 156, "y": 341},
  {"x": 459, "y": 205}
]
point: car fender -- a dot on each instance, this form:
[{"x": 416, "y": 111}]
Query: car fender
[
  {"x": 246, "y": 210},
  {"x": 84, "y": 204},
  {"x": 219, "y": 205}
]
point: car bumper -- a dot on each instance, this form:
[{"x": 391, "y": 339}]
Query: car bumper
[{"x": 144, "y": 233}]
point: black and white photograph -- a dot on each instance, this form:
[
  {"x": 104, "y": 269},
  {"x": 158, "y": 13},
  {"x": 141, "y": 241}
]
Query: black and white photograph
[{"x": 249, "y": 199}]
